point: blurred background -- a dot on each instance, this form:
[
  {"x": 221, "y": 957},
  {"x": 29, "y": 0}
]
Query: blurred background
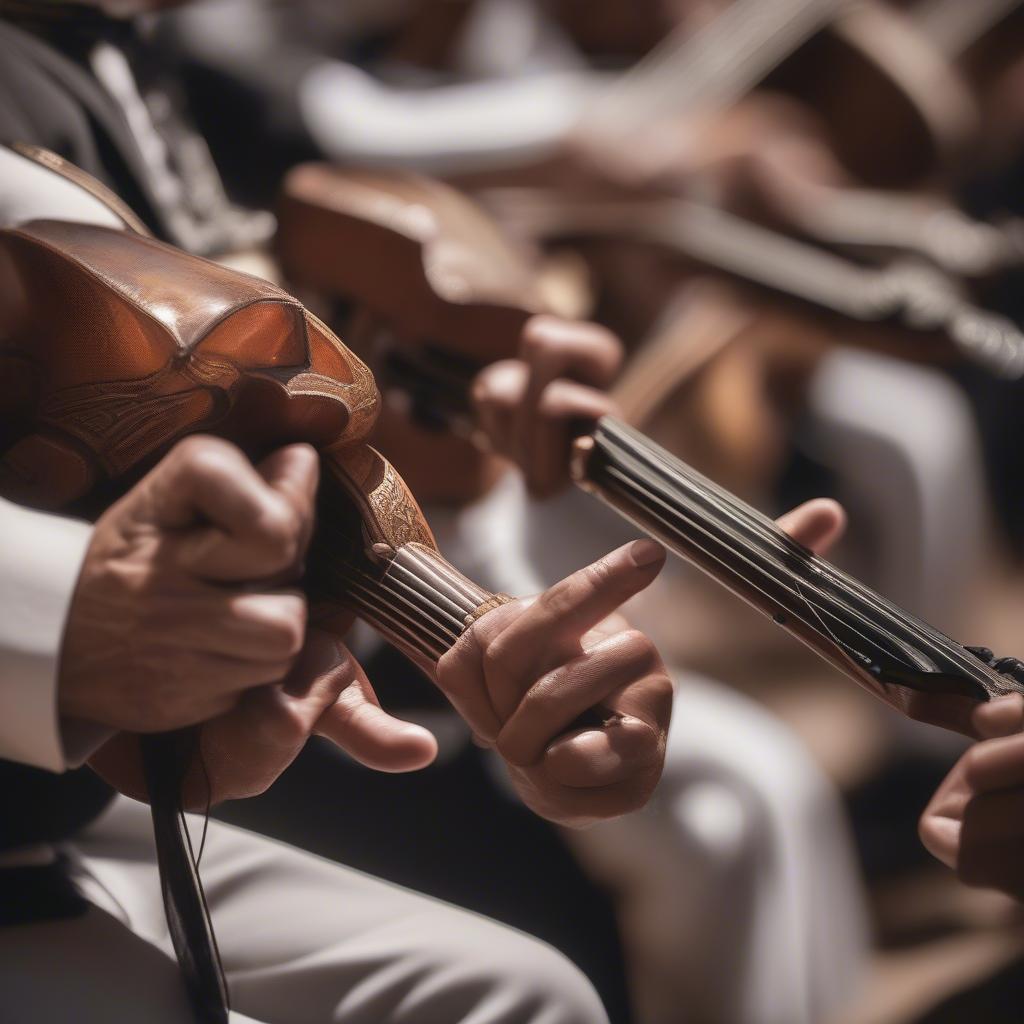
[{"x": 803, "y": 219}]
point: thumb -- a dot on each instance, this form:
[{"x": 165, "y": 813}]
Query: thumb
[
  {"x": 816, "y": 524},
  {"x": 363, "y": 729}
]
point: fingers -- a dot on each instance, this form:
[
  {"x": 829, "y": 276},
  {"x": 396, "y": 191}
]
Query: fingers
[
  {"x": 529, "y": 408},
  {"x": 995, "y": 764},
  {"x": 356, "y": 722},
  {"x": 971, "y": 822},
  {"x": 492, "y": 666},
  {"x": 497, "y": 394},
  {"x": 294, "y": 473},
  {"x": 185, "y": 687},
  {"x": 239, "y": 525},
  {"x": 548, "y": 415},
  {"x": 940, "y": 836},
  {"x": 1001, "y": 717},
  {"x": 535, "y": 430},
  {"x": 552, "y": 347},
  {"x": 559, "y": 698},
  {"x": 994, "y": 817},
  {"x": 551, "y": 627},
  {"x": 816, "y": 524},
  {"x": 992, "y": 842},
  {"x": 250, "y": 627},
  {"x": 624, "y": 750},
  {"x": 578, "y": 807}
]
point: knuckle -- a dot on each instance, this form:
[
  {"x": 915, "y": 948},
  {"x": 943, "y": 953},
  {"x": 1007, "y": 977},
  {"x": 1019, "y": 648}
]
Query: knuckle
[
  {"x": 636, "y": 641},
  {"x": 286, "y": 625},
  {"x": 536, "y": 335},
  {"x": 598, "y": 575},
  {"x": 560, "y": 601},
  {"x": 494, "y": 658},
  {"x": 202, "y": 456},
  {"x": 973, "y": 764},
  {"x": 608, "y": 341},
  {"x": 556, "y": 403},
  {"x": 480, "y": 393},
  {"x": 281, "y": 526},
  {"x": 639, "y": 648}
]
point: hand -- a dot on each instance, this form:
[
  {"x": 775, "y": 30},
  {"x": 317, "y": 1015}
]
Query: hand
[
  {"x": 975, "y": 821},
  {"x": 166, "y": 627},
  {"x": 529, "y": 409},
  {"x": 243, "y": 751},
  {"x": 817, "y": 524},
  {"x": 576, "y": 704}
]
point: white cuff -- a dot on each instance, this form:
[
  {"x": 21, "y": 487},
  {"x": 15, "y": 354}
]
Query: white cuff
[{"x": 40, "y": 559}]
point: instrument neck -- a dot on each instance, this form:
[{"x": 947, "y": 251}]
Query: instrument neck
[
  {"x": 410, "y": 594},
  {"x": 883, "y": 647}
]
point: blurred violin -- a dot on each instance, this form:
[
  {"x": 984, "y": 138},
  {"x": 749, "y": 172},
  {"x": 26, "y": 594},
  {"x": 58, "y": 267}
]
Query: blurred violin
[
  {"x": 873, "y": 81},
  {"x": 439, "y": 293},
  {"x": 900, "y": 300}
]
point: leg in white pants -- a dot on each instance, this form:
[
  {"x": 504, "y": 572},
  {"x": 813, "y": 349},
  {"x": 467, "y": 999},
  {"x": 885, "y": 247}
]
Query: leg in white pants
[
  {"x": 737, "y": 891},
  {"x": 303, "y": 941}
]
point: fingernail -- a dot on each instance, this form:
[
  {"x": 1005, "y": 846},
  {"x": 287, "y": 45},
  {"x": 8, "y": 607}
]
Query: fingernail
[{"x": 645, "y": 552}]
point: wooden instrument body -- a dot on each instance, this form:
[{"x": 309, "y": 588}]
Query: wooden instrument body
[
  {"x": 420, "y": 281},
  {"x": 115, "y": 346}
]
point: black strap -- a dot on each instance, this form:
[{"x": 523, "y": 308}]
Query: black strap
[{"x": 166, "y": 758}]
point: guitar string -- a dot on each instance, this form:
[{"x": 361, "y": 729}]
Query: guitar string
[
  {"x": 777, "y": 539},
  {"x": 441, "y": 572},
  {"x": 378, "y": 611},
  {"x": 370, "y": 586},
  {"x": 976, "y": 670},
  {"x": 377, "y": 598},
  {"x": 741, "y": 551},
  {"x": 842, "y": 581},
  {"x": 773, "y": 536},
  {"x": 774, "y": 539},
  {"x": 867, "y": 662}
]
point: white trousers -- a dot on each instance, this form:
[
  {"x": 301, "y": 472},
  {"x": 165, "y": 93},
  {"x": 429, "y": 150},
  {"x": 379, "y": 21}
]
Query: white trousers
[
  {"x": 737, "y": 891},
  {"x": 303, "y": 941}
]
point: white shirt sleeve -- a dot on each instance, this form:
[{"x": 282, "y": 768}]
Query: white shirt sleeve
[
  {"x": 462, "y": 127},
  {"x": 40, "y": 555},
  {"x": 29, "y": 191},
  {"x": 40, "y": 559}
]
